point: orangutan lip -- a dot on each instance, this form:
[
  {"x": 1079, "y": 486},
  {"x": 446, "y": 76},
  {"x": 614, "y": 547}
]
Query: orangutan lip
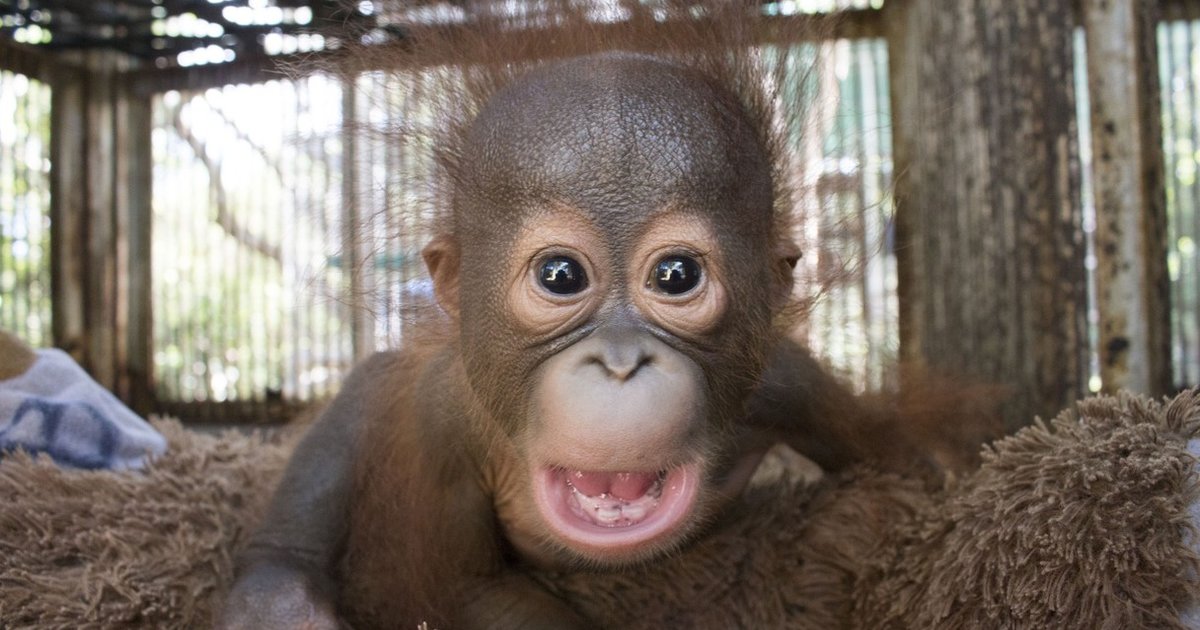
[{"x": 615, "y": 511}]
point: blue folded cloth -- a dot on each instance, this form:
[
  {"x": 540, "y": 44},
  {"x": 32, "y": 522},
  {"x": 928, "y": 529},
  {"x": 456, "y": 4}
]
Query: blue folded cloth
[{"x": 57, "y": 409}]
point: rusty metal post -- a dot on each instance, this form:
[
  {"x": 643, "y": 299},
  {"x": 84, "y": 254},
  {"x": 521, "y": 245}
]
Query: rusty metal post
[{"x": 1132, "y": 287}]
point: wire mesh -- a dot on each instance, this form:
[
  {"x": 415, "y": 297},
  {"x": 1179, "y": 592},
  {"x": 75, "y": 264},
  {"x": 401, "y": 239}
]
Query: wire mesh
[
  {"x": 25, "y": 307},
  {"x": 844, "y": 205},
  {"x": 846, "y": 212},
  {"x": 263, "y": 291},
  {"x": 267, "y": 263},
  {"x": 248, "y": 224},
  {"x": 389, "y": 175}
]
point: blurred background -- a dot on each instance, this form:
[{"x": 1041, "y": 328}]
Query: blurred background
[{"x": 188, "y": 220}]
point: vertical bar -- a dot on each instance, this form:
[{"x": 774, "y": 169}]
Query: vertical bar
[
  {"x": 7, "y": 301},
  {"x": 868, "y": 150},
  {"x": 372, "y": 290},
  {"x": 1173, "y": 127},
  {"x": 16, "y": 173},
  {"x": 1132, "y": 289},
  {"x": 1192, "y": 204},
  {"x": 68, "y": 200},
  {"x": 44, "y": 228},
  {"x": 303, "y": 336},
  {"x": 398, "y": 179},
  {"x": 985, "y": 140},
  {"x": 102, "y": 235},
  {"x": 1186, "y": 312},
  {"x": 302, "y": 340},
  {"x": 903, "y": 48},
  {"x": 390, "y": 221},
  {"x": 221, "y": 331},
  {"x": 883, "y": 209},
  {"x": 1192, "y": 306},
  {"x": 134, "y": 272}
]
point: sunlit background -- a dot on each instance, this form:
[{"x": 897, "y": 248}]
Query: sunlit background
[{"x": 260, "y": 193}]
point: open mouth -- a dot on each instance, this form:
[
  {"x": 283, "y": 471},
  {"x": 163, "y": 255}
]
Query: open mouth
[{"x": 614, "y": 511}]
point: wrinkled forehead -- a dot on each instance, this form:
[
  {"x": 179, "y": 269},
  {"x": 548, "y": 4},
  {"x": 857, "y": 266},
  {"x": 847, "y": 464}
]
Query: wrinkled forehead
[{"x": 615, "y": 136}]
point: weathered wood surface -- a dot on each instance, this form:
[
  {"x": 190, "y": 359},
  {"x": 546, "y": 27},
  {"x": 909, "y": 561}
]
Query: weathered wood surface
[
  {"x": 990, "y": 245},
  {"x": 68, "y": 218},
  {"x": 100, "y": 210},
  {"x": 134, "y": 358},
  {"x": 101, "y": 158},
  {"x": 1132, "y": 286}
]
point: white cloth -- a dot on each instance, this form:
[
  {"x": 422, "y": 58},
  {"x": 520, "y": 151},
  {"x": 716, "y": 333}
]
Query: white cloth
[{"x": 57, "y": 409}]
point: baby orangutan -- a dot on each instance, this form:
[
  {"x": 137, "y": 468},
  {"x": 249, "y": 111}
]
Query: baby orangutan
[{"x": 614, "y": 274}]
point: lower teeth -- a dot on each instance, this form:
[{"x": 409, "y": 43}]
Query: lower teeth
[{"x": 609, "y": 511}]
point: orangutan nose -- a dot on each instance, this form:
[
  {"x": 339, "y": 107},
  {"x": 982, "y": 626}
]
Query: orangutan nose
[
  {"x": 621, "y": 352},
  {"x": 622, "y": 361}
]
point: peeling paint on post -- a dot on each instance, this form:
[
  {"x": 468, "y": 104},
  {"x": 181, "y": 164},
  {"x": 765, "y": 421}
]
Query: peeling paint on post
[{"x": 1132, "y": 289}]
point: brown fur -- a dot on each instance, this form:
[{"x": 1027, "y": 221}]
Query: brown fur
[
  {"x": 442, "y": 506},
  {"x": 147, "y": 549},
  {"x": 1080, "y": 523},
  {"x": 401, "y": 485},
  {"x": 397, "y": 492},
  {"x": 390, "y": 581},
  {"x": 928, "y": 410}
]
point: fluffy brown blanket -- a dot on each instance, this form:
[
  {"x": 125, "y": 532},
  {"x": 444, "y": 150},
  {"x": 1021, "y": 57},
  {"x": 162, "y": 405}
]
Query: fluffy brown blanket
[
  {"x": 152, "y": 549},
  {"x": 1081, "y": 523}
]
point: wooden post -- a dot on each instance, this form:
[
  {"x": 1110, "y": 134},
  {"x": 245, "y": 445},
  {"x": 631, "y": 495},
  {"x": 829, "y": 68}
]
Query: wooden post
[
  {"x": 1132, "y": 286},
  {"x": 68, "y": 218},
  {"x": 990, "y": 244},
  {"x": 100, "y": 212},
  {"x": 134, "y": 361}
]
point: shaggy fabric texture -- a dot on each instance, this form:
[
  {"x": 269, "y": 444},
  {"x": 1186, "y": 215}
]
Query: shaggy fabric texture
[
  {"x": 1082, "y": 523},
  {"x": 146, "y": 549}
]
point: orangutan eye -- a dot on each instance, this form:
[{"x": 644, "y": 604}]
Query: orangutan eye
[
  {"x": 562, "y": 275},
  {"x": 675, "y": 275}
]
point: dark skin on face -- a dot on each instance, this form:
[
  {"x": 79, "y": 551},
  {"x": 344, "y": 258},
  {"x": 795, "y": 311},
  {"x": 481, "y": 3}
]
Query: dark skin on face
[{"x": 613, "y": 276}]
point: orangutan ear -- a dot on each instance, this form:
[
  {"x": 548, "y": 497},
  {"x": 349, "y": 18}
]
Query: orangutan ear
[
  {"x": 442, "y": 259},
  {"x": 785, "y": 257}
]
